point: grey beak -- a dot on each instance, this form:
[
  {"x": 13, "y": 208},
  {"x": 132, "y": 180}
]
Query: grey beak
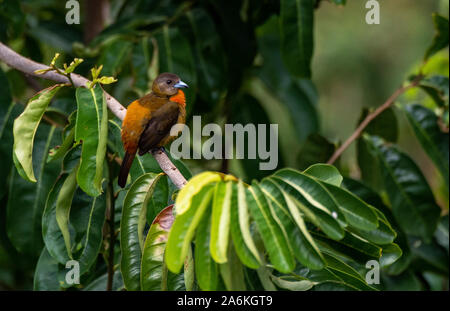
[{"x": 181, "y": 85}]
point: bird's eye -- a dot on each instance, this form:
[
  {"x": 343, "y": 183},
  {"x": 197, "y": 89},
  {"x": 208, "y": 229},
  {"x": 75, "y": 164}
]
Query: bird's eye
[{"x": 169, "y": 81}]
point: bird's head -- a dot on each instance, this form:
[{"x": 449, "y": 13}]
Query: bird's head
[{"x": 167, "y": 84}]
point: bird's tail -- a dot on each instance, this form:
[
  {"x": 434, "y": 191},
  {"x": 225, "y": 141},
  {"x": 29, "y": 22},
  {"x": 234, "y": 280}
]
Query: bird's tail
[{"x": 125, "y": 168}]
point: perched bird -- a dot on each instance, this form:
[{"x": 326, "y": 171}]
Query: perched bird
[{"x": 148, "y": 120}]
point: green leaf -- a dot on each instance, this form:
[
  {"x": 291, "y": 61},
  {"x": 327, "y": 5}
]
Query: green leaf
[
  {"x": 92, "y": 130},
  {"x": 357, "y": 213},
  {"x": 435, "y": 143},
  {"x": 195, "y": 185},
  {"x": 74, "y": 64},
  {"x": 183, "y": 229},
  {"x": 412, "y": 201},
  {"x": 26, "y": 201},
  {"x": 6, "y": 142},
  {"x": 92, "y": 228},
  {"x": 232, "y": 272},
  {"x": 351, "y": 246},
  {"x": 302, "y": 244},
  {"x": 296, "y": 31},
  {"x": 132, "y": 227},
  {"x": 153, "y": 270},
  {"x": 437, "y": 88},
  {"x": 441, "y": 234},
  {"x": 292, "y": 284},
  {"x": 240, "y": 228},
  {"x": 385, "y": 126},
  {"x": 47, "y": 273},
  {"x": 273, "y": 238},
  {"x": 440, "y": 39},
  {"x": 61, "y": 151},
  {"x": 62, "y": 209},
  {"x": 189, "y": 271},
  {"x": 206, "y": 269},
  {"x": 346, "y": 273},
  {"x": 100, "y": 283},
  {"x": 326, "y": 173},
  {"x": 51, "y": 232},
  {"x": 25, "y": 127},
  {"x": 5, "y": 100},
  {"x": 311, "y": 190},
  {"x": 220, "y": 221}
]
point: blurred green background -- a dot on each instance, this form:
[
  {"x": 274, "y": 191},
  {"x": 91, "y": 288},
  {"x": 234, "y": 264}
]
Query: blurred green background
[{"x": 357, "y": 65}]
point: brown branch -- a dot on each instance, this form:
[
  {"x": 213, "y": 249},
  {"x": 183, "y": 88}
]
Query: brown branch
[
  {"x": 359, "y": 130},
  {"x": 21, "y": 63}
]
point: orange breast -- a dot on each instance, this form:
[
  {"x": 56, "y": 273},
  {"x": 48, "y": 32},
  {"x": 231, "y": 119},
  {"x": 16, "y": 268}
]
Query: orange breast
[
  {"x": 133, "y": 125},
  {"x": 180, "y": 98}
]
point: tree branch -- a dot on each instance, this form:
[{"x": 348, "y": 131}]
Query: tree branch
[
  {"x": 372, "y": 116},
  {"x": 27, "y": 66}
]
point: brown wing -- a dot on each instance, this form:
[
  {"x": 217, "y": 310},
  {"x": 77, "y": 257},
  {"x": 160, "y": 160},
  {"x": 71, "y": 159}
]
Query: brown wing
[{"x": 158, "y": 127}]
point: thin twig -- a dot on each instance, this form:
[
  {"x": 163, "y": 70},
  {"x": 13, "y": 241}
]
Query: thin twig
[
  {"x": 112, "y": 236},
  {"x": 359, "y": 130},
  {"x": 21, "y": 63}
]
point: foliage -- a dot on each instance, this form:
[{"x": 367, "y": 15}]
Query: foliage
[{"x": 307, "y": 227}]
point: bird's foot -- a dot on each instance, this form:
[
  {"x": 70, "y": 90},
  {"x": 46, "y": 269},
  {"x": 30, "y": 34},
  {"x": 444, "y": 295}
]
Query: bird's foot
[{"x": 159, "y": 149}]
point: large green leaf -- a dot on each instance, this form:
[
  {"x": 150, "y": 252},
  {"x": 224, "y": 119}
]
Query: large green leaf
[
  {"x": 272, "y": 234},
  {"x": 285, "y": 210},
  {"x": 357, "y": 213},
  {"x": 6, "y": 143},
  {"x": 412, "y": 201},
  {"x": 206, "y": 269},
  {"x": 435, "y": 143},
  {"x": 296, "y": 30},
  {"x": 5, "y": 100},
  {"x": 53, "y": 237},
  {"x": 321, "y": 206},
  {"x": 79, "y": 235},
  {"x": 92, "y": 130},
  {"x": 436, "y": 87},
  {"x": 326, "y": 173},
  {"x": 384, "y": 126},
  {"x": 240, "y": 228},
  {"x": 132, "y": 227},
  {"x": 154, "y": 273},
  {"x": 47, "y": 273},
  {"x": 26, "y": 201},
  {"x": 440, "y": 39},
  {"x": 25, "y": 127},
  {"x": 220, "y": 221},
  {"x": 183, "y": 229},
  {"x": 232, "y": 272}
]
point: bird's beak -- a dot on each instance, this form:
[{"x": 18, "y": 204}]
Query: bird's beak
[{"x": 181, "y": 85}]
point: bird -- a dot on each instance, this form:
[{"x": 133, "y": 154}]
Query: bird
[{"x": 148, "y": 120}]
